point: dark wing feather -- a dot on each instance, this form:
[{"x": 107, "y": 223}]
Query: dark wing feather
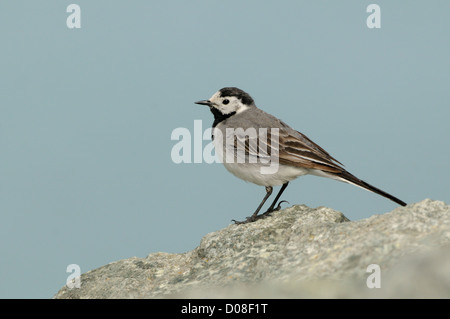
[{"x": 296, "y": 149}]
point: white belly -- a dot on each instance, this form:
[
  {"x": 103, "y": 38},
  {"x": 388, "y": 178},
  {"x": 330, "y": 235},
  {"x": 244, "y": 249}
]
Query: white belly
[{"x": 252, "y": 173}]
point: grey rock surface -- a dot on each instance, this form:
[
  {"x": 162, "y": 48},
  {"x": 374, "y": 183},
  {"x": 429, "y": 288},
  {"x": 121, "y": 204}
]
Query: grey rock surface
[{"x": 297, "y": 252}]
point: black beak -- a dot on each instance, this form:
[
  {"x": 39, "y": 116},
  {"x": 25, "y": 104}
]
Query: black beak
[{"x": 204, "y": 102}]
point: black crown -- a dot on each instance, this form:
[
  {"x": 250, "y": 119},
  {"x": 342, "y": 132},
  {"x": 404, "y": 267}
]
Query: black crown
[{"x": 233, "y": 91}]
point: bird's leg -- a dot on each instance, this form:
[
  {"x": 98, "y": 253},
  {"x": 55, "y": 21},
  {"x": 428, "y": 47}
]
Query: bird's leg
[
  {"x": 255, "y": 216},
  {"x": 272, "y": 207}
]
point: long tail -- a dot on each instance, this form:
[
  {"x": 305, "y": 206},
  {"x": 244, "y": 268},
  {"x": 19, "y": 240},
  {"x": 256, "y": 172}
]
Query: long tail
[{"x": 349, "y": 178}]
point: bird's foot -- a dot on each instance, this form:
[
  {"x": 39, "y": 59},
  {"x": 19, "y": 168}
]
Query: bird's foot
[
  {"x": 271, "y": 210},
  {"x": 250, "y": 219},
  {"x": 278, "y": 206},
  {"x": 254, "y": 218}
]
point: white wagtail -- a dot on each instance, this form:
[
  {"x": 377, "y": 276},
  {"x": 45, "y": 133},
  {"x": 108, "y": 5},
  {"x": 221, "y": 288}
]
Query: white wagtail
[{"x": 235, "y": 111}]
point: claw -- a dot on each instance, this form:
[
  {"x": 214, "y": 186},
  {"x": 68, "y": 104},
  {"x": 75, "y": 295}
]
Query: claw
[
  {"x": 247, "y": 220},
  {"x": 279, "y": 204},
  {"x": 242, "y": 222}
]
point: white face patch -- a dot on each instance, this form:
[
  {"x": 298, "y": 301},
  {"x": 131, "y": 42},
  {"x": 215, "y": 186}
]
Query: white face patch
[
  {"x": 242, "y": 109},
  {"x": 227, "y": 104}
]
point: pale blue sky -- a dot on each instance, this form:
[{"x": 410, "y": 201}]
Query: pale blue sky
[{"x": 86, "y": 117}]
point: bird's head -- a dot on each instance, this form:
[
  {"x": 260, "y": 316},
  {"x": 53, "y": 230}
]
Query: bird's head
[{"x": 229, "y": 100}]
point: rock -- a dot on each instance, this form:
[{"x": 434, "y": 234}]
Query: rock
[{"x": 297, "y": 252}]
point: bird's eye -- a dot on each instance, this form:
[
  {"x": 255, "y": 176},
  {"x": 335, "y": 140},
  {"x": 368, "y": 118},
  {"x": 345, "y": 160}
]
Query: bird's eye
[{"x": 226, "y": 101}]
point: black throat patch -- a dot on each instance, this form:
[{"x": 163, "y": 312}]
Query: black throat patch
[{"x": 219, "y": 117}]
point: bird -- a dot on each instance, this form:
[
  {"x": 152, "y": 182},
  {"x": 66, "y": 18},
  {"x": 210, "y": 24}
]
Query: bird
[{"x": 249, "y": 140}]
